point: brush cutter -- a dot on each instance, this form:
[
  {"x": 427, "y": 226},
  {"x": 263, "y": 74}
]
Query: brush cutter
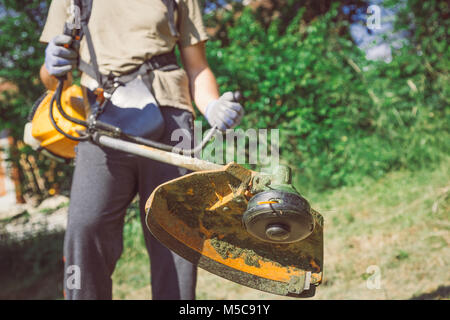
[{"x": 249, "y": 227}]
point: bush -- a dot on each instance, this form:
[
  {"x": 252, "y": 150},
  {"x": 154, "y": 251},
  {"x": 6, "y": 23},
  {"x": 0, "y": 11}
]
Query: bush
[{"x": 341, "y": 117}]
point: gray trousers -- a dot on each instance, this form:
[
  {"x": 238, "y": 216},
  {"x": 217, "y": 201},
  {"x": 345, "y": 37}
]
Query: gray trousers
[{"x": 105, "y": 182}]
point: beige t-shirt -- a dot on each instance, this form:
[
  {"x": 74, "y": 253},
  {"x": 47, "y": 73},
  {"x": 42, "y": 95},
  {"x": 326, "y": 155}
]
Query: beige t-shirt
[{"x": 126, "y": 33}]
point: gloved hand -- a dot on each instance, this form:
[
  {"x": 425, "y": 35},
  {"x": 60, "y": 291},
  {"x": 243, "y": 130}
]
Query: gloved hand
[
  {"x": 225, "y": 112},
  {"x": 58, "y": 59}
]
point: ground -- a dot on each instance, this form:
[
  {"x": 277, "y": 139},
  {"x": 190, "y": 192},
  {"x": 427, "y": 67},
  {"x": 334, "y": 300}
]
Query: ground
[{"x": 385, "y": 239}]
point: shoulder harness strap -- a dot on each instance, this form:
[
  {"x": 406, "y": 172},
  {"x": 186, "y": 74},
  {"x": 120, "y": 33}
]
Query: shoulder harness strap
[
  {"x": 171, "y": 7},
  {"x": 80, "y": 29}
]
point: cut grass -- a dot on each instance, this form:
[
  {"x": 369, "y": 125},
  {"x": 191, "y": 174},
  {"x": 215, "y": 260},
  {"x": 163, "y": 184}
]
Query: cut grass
[{"x": 399, "y": 224}]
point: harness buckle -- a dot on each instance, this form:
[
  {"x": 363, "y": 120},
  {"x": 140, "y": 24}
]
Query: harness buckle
[{"x": 100, "y": 95}]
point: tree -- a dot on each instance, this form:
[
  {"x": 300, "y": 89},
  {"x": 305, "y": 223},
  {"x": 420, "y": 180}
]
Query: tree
[{"x": 21, "y": 56}]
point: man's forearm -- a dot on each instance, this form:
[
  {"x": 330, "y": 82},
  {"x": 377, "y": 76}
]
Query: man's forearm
[
  {"x": 204, "y": 88},
  {"x": 51, "y": 82}
]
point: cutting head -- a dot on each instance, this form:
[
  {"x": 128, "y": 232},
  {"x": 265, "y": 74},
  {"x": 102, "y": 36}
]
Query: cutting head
[
  {"x": 200, "y": 217},
  {"x": 278, "y": 216}
]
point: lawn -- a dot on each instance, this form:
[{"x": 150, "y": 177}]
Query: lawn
[
  {"x": 387, "y": 239},
  {"x": 394, "y": 231}
]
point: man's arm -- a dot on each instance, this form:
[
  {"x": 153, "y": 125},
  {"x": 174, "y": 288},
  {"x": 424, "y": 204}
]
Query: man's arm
[
  {"x": 51, "y": 82},
  {"x": 60, "y": 59},
  {"x": 202, "y": 82},
  {"x": 221, "y": 112}
]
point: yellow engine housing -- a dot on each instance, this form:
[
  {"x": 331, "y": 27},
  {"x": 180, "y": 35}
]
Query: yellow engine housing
[{"x": 43, "y": 130}]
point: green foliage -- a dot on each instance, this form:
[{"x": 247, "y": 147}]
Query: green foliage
[
  {"x": 21, "y": 56},
  {"x": 341, "y": 117}
]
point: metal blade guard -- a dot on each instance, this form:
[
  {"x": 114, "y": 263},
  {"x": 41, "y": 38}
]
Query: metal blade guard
[{"x": 206, "y": 218}]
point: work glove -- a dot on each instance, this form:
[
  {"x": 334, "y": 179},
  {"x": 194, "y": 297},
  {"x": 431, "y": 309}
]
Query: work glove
[
  {"x": 59, "y": 60},
  {"x": 225, "y": 112}
]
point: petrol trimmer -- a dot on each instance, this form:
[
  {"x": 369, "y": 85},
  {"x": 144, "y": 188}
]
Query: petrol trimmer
[{"x": 249, "y": 227}]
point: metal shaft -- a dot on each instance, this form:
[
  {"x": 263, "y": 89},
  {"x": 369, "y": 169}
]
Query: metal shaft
[{"x": 175, "y": 159}]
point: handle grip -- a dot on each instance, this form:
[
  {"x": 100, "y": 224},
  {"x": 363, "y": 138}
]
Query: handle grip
[{"x": 237, "y": 95}]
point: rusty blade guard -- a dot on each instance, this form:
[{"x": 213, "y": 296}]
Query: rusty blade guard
[{"x": 199, "y": 216}]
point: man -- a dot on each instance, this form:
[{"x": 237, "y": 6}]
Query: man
[{"x": 126, "y": 34}]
